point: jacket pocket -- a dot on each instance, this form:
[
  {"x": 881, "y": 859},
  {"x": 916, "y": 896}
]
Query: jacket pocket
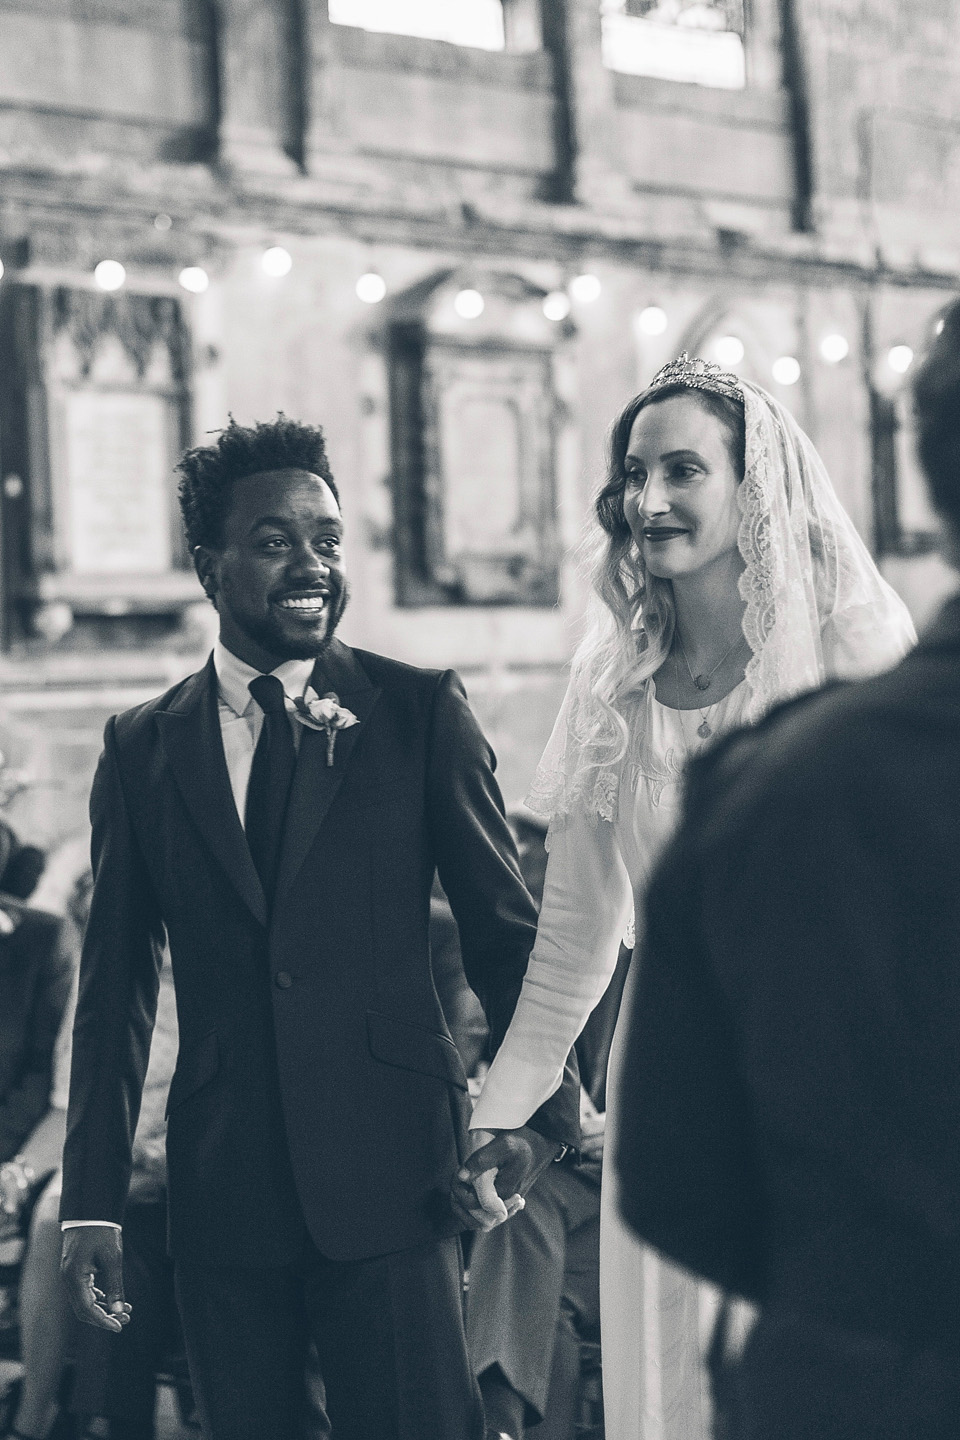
[
  {"x": 414, "y": 1047},
  {"x": 196, "y": 1065}
]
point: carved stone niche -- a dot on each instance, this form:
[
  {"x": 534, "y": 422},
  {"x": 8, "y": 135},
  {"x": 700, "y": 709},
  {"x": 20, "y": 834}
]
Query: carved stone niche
[
  {"x": 474, "y": 413},
  {"x": 93, "y": 414}
]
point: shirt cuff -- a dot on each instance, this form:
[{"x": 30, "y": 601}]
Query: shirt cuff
[{"x": 75, "y": 1224}]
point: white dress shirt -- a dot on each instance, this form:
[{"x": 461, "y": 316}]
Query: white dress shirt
[
  {"x": 241, "y": 718},
  {"x": 241, "y": 721}
]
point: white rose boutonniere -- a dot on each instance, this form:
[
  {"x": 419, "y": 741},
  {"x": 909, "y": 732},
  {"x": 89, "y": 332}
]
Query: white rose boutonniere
[{"x": 324, "y": 712}]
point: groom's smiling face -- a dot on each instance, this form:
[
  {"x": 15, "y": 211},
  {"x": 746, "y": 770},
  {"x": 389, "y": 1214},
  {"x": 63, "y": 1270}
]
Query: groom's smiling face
[{"x": 278, "y": 577}]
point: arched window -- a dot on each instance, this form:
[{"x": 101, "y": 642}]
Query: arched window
[{"x": 697, "y": 41}]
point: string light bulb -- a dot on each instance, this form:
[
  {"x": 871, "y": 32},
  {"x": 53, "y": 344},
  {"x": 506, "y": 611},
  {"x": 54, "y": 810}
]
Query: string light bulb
[
  {"x": 585, "y": 288},
  {"x": 468, "y": 304},
  {"x": 728, "y": 350},
  {"x": 277, "y": 261},
  {"x": 110, "y": 275},
  {"x": 556, "y": 305},
  {"x": 652, "y": 320},
  {"x": 195, "y": 279},
  {"x": 371, "y": 288},
  {"x": 786, "y": 370},
  {"x": 900, "y": 358},
  {"x": 834, "y": 348}
]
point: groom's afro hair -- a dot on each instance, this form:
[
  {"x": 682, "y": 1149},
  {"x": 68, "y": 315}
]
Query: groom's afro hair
[
  {"x": 936, "y": 399},
  {"x": 208, "y": 472}
]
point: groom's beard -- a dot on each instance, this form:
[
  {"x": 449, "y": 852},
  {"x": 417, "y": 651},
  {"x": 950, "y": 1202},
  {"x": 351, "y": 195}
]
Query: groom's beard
[{"x": 273, "y": 636}]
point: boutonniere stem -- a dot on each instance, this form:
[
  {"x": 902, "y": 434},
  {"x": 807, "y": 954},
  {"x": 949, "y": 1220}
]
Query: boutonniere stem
[{"x": 324, "y": 712}]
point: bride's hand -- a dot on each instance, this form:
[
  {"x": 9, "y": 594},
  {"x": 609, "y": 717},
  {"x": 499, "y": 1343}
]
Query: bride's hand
[
  {"x": 473, "y": 1195},
  {"x": 490, "y": 1187}
]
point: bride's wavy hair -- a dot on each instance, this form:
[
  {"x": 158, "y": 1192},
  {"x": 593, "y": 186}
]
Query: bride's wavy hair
[{"x": 631, "y": 630}]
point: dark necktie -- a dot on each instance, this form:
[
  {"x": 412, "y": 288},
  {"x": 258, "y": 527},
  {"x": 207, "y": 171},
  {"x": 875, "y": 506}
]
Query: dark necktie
[{"x": 270, "y": 778}]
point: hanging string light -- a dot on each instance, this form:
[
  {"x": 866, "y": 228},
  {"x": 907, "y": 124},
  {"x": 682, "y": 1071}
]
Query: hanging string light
[{"x": 277, "y": 261}]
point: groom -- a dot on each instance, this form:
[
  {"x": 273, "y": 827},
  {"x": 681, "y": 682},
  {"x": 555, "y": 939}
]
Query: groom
[{"x": 277, "y": 818}]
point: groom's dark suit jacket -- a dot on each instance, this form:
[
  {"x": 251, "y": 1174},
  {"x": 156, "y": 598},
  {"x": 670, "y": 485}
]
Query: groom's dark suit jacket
[
  {"x": 316, "y": 1079},
  {"x": 791, "y": 1093}
]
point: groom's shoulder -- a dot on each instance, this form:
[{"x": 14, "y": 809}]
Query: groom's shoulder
[
  {"x": 137, "y": 723},
  {"x": 393, "y": 674}
]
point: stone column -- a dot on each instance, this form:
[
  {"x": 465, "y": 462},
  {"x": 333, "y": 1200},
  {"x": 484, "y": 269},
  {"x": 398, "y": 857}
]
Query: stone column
[
  {"x": 259, "y": 85},
  {"x": 596, "y": 176}
]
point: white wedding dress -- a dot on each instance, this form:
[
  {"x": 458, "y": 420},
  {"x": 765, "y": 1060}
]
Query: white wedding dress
[
  {"x": 655, "y": 1319},
  {"x": 816, "y": 608}
]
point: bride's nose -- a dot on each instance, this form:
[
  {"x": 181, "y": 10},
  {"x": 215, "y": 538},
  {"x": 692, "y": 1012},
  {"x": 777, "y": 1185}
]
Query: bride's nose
[{"x": 655, "y": 499}]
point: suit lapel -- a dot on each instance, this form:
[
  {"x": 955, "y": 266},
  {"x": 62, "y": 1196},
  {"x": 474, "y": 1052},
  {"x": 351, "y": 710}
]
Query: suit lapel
[
  {"x": 192, "y": 742},
  {"x": 315, "y": 783}
]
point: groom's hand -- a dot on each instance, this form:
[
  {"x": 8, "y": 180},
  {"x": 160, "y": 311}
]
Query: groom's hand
[
  {"x": 490, "y": 1187},
  {"x": 92, "y": 1269}
]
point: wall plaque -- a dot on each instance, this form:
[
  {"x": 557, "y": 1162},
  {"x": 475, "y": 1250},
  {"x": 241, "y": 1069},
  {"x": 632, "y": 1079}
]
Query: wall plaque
[
  {"x": 474, "y": 414},
  {"x": 92, "y": 418},
  {"x": 116, "y": 461}
]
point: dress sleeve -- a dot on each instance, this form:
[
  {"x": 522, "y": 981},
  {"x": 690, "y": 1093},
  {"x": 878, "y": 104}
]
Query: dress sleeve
[{"x": 587, "y": 900}]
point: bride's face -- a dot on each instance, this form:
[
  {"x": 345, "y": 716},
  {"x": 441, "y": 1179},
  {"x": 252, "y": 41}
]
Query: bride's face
[{"x": 680, "y": 497}]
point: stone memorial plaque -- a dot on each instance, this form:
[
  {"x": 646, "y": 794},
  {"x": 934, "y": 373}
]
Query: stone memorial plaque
[{"x": 118, "y": 485}]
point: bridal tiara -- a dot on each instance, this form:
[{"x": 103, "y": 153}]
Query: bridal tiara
[{"x": 696, "y": 375}]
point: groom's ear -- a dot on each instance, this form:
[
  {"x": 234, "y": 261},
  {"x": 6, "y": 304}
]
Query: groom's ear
[{"x": 205, "y": 564}]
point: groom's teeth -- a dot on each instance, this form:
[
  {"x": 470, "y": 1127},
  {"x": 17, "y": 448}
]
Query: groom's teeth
[{"x": 316, "y": 602}]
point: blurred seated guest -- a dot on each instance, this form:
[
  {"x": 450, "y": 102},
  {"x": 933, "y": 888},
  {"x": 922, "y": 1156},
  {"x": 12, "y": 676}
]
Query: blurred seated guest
[
  {"x": 114, "y": 1375},
  {"x": 534, "y": 1290},
  {"x": 791, "y": 1085},
  {"x": 21, "y": 865},
  {"x": 35, "y": 972}
]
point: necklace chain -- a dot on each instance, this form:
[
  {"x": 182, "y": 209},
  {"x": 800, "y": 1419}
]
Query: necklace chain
[
  {"x": 702, "y": 682},
  {"x": 704, "y": 729}
]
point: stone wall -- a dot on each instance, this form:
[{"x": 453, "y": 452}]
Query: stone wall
[{"x": 172, "y": 132}]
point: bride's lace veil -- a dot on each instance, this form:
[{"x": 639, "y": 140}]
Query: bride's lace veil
[{"x": 816, "y": 606}]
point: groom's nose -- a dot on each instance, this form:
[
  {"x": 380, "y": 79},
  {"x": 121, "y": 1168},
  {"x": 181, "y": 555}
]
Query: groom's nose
[{"x": 306, "y": 565}]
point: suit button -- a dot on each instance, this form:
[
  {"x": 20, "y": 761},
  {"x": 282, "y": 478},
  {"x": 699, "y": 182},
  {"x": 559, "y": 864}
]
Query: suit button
[{"x": 283, "y": 980}]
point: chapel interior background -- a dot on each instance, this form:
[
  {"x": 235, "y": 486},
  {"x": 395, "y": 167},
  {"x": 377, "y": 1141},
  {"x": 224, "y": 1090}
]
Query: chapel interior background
[{"x": 459, "y": 234}]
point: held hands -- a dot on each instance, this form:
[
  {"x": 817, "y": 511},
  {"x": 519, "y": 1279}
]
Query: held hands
[
  {"x": 92, "y": 1269},
  {"x": 490, "y": 1187}
]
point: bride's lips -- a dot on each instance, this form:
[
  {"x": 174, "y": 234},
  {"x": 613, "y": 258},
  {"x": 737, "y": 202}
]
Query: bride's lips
[{"x": 656, "y": 533}]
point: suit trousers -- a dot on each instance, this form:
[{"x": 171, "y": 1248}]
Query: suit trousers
[
  {"x": 535, "y": 1290},
  {"x": 388, "y": 1333}
]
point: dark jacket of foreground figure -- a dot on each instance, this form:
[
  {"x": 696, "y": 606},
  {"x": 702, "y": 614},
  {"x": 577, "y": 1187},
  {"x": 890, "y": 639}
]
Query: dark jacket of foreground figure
[
  {"x": 316, "y": 1079},
  {"x": 791, "y": 1095}
]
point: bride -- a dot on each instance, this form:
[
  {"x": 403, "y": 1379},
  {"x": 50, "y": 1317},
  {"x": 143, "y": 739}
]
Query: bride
[{"x": 730, "y": 579}]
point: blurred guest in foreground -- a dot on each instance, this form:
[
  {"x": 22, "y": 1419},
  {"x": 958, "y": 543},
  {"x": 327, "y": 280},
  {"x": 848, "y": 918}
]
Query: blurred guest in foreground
[{"x": 791, "y": 1084}]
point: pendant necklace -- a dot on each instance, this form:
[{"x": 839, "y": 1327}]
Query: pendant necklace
[
  {"x": 702, "y": 682},
  {"x": 704, "y": 729}
]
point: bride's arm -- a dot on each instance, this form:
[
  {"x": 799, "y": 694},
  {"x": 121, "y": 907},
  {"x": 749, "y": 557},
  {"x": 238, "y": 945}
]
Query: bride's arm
[{"x": 587, "y": 900}]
